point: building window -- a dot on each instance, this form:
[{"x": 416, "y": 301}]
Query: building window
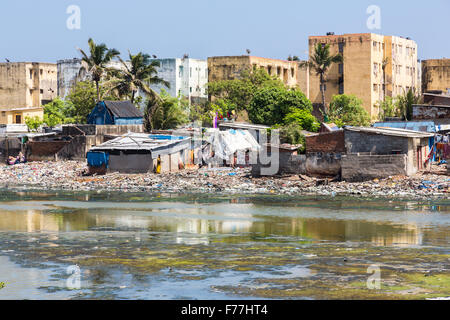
[
  {"x": 41, "y": 71},
  {"x": 3, "y": 113},
  {"x": 375, "y": 87},
  {"x": 41, "y": 91},
  {"x": 292, "y": 72},
  {"x": 18, "y": 118},
  {"x": 190, "y": 89},
  {"x": 341, "y": 68},
  {"x": 278, "y": 71},
  {"x": 31, "y": 74},
  {"x": 269, "y": 70},
  {"x": 341, "y": 88},
  {"x": 341, "y": 47},
  {"x": 180, "y": 72}
]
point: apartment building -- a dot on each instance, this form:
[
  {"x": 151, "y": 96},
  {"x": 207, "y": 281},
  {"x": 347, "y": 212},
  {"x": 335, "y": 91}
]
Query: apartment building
[
  {"x": 436, "y": 75},
  {"x": 374, "y": 66},
  {"x": 24, "y": 88},
  {"x": 187, "y": 77},
  {"x": 230, "y": 67}
]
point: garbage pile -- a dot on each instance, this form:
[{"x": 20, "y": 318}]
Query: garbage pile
[{"x": 70, "y": 175}]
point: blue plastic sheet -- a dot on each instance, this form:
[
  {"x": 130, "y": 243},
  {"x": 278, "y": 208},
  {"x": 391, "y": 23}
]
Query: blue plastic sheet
[{"x": 97, "y": 159}]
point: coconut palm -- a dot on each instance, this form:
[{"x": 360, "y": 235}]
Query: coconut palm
[
  {"x": 136, "y": 74},
  {"x": 321, "y": 61},
  {"x": 97, "y": 61}
]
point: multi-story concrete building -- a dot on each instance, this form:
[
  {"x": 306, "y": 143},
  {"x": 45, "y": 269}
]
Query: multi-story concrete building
[
  {"x": 374, "y": 66},
  {"x": 187, "y": 78},
  {"x": 436, "y": 75},
  {"x": 71, "y": 71},
  {"x": 230, "y": 67},
  {"x": 24, "y": 88}
]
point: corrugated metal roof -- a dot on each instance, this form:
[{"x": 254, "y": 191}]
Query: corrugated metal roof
[
  {"x": 137, "y": 141},
  {"x": 123, "y": 109},
  {"x": 422, "y": 126},
  {"x": 392, "y": 132}
]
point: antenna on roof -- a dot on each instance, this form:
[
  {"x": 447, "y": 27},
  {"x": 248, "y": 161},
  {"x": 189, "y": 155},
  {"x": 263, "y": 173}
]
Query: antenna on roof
[{"x": 248, "y": 51}]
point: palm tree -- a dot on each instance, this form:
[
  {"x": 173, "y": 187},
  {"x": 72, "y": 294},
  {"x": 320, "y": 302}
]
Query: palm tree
[
  {"x": 97, "y": 60},
  {"x": 137, "y": 74},
  {"x": 321, "y": 62}
]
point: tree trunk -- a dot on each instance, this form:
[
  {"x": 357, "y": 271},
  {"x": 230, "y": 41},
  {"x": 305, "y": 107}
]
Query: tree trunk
[
  {"x": 98, "y": 91},
  {"x": 322, "y": 90},
  {"x": 132, "y": 96}
]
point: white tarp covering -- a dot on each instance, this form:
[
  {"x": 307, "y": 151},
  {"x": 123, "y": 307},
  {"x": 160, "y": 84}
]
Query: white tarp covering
[{"x": 226, "y": 143}]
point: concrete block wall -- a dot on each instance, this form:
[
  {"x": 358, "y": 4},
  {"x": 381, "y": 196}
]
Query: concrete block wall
[
  {"x": 357, "y": 167},
  {"x": 358, "y": 142},
  {"x": 323, "y": 164}
]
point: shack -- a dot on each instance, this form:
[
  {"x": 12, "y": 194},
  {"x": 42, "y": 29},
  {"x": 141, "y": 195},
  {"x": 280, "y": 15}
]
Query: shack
[
  {"x": 382, "y": 152},
  {"x": 231, "y": 146},
  {"x": 256, "y": 130},
  {"x": 115, "y": 112},
  {"x": 140, "y": 153}
]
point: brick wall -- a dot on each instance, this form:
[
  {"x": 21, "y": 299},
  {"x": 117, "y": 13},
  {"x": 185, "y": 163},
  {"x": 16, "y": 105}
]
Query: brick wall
[
  {"x": 367, "y": 167},
  {"x": 326, "y": 142}
]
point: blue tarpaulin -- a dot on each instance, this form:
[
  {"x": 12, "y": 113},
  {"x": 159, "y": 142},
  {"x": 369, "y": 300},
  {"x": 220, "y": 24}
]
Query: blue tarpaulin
[
  {"x": 165, "y": 137},
  {"x": 97, "y": 159}
]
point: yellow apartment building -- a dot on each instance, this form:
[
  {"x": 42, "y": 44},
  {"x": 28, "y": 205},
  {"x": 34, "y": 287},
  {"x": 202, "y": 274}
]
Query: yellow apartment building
[
  {"x": 230, "y": 67},
  {"x": 436, "y": 75},
  {"x": 374, "y": 66},
  {"x": 24, "y": 88}
]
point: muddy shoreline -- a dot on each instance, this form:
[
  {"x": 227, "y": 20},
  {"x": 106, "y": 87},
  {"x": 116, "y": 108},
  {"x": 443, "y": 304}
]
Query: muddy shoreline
[{"x": 68, "y": 176}]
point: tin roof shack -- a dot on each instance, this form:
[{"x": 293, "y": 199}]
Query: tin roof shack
[
  {"x": 231, "y": 147},
  {"x": 382, "y": 152},
  {"x": 256, "y": 130},
  {"x": 115, "y": 112},
  {"x": 140, "y": 153}
]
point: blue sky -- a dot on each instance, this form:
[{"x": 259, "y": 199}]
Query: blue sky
[{"x": 36, "y": 30}]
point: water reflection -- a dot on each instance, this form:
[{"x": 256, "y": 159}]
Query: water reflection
[{"x": 197, "y": 223}]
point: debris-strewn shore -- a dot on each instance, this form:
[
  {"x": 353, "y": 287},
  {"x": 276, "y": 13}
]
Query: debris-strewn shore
[{"x": 68, "y": 175}]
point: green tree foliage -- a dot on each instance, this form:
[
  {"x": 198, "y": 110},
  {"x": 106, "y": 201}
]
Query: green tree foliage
[
  {"x": 82, "y": 99},
  {"x": 59, "y": 112},
  {"x": 321, "y": 61},
  {"x": 388, "y": 108},
  {"x": 97, "y": 61},
  {"x": 238, "y": 93},
  {"x": 139, "y": 74},
  {"x": 292, "y": 133},
  {"x": 33, "y": 123},
  {"x": 165, "y": 113},
  {"x": 348, "y": 110},
  {"x": 303, "y": 118},
  {"x": 270, "y": 105},
  {"x": 405, "y": 103}
]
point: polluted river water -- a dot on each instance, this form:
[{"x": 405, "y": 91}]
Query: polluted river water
[{"x": 112, "y": 245}]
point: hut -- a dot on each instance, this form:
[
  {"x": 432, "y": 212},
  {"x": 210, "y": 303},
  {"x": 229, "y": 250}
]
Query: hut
[
  {"x": 140, "y": 153},
  {"x": 115, "y": 112}
]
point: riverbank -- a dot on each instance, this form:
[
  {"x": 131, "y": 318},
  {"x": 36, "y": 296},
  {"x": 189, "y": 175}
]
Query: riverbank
[{"x": 68, "y": 175}]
